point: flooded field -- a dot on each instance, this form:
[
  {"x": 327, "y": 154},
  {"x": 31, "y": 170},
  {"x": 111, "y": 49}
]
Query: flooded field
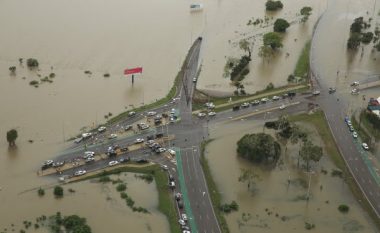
[
  {"x": 223, "y": 35},
  {"x": 273, "y": 205}
]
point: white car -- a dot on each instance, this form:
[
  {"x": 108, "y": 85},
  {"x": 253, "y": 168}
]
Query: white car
[
  {"x": 165, "y": 167},
  {"x": 101, "y": 129},
  {"x": 201, "y": 114},
  {"x": 365, "y": 146},
  {"x": 172, "y": 152},
  {"x": 152, "y": 113},
  {"x": 131, "y": 114},
  {"x": 113, "y": 163},
  {"x": 186, "y": 231},
  {"x": 264, "y": 100},
  {"x": 161, "y": 150},
  {"x": 172, "y": 184},
  {"x": 355, "y": 135},
  {"x": 112, "y": 136},
  {"x": 212, "y": 113},
  {"x": 356, "y": 83},
  {"x": 282, "y": 107},
  {"x": 88, "y": 154},
  {"x": 194, "y": 80},
  {"x": 275, "y": 97},
  {"x": 80, "y": 173},
  {"x": 139, "y": 140},
  {"x": 86, "y": 135},
  {"x": 316, "y": 92},
  {"x": 245, "y": 105},
  {"x": 90, "y": 159},
  {"x": 355, "y": 91},
  {"x": 184, "y": 217},
  {"x": 181, "y": 222}
]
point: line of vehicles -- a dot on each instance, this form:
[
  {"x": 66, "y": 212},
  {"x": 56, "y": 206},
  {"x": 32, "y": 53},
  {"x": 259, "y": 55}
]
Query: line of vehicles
[
  {"x": 264, "y": 101},
  {"x": 354, "y": 133}
]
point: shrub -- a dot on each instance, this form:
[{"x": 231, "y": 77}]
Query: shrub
[
  {"x": 270, "y": 86},
  {"x": 58, "y": 191},
  {"x": 41, "y": 192},
  {"x": 106, "y": 75},
  {"x": 33, "y": 82},
  {"x": 273, "y": 5},
  {"x": 104, "y": 179},
  {"x": 343, "y": 208},
  {"x": 354, "y": 41},
  {"x": 280, "y": 25},
  {"x": 32, "y": 63},
  {"x": 121, "y": 187},
  {"x": 237, "y": 69},
  {"x": 367, "y": 37},
  {"x": 52, "y": 75},
  {"x": 12, "y": 69}
]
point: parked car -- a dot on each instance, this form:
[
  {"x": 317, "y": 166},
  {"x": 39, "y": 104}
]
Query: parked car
[
  {"x": 172, "y": 152},
  {"x": 245, "y": 105},
  {"x": 184, "y": 217},
  {"x": 124, "y": 160},
  {"x": 194, "y": 80},
  {"x": 212, "y": 113},
  {"x": 256, "y": 102},
  {"x": 282, "y": 107},
  {"x": 157, "y": 121},
  {"x": 181, "y": 222},
  {"x": 365, "y": 146},
  {"x": 151, "y": 113},
  {"x": 131, "y": 114},
  {"x": 351, "y": 129},
  {"x": 139, "y": 140},
  {"x": 172, "y": 184},
  {"x": 236, "y": 108},
  {"x": 90, "y": 159},
  {"x": 354, "y": 84},
  {"x": 112, "y": 136},
  {"x": 355, "y": 91},
  {"x": 275, "y": 98},
  {"x": 291, "y": 94},
  {"x": 113, "y": 163},
  {"x": 332, "y": 90},
  {"x": 180, "y": 204},
  {"x": 354, "y": 134},
  {"x": 150, "y": 137},
  {"x": 78, "y": 140},
  {"x": 178, "y": 196},
  {"x": 201, "y": 114},
  {"x": 160, "y": 150},
  {"x": 316, "y": 92},
  {"x": 101, "y": 129},
  {"x": 47, "y": 164},
  {"x": 142, "y": 161},
  {"x": 171, "y": 177},
  {"x": 58, "y": 164},
  {"x": 164, "y": 167},
  {"x": 264, "y": 100},
  {"x": 80, "y": 173},
  {"x": 128, "y": 127}
]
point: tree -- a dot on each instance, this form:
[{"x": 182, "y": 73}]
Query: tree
[
  {"x": 11, "y": 137},
  {"x": 273, "y": 5},
  {"x": 265, "y": 52},
  {"x": 259, "y": 148},
  {"x": 69, "y": 222},
  {"x": 32, "y": 63},
  {"x": 354, "y": 41},
  {"x": 273, "y": 40},
  {"x": 280, "y": 25},
  {"x": 12, "y": 69},
  {"x": 245, "y": 46},
  {"x": 357, "y": 25},
  {"x": 305, "y": 12},
  {"x": 58, "y": 191},
  {"x": 310, "y": 152},
  {"x": 367, "y": 37}
]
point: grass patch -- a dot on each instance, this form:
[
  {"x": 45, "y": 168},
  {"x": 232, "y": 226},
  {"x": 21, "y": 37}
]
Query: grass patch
[
  {"x": 369, "y": 126},
  {"x": 166, "y": 203},
  {"x": 360, "y": 130},
  {"x": 303, "y": 66},
  {"x": 213, "y": 190},
  {"x": 320, "y": 123}
]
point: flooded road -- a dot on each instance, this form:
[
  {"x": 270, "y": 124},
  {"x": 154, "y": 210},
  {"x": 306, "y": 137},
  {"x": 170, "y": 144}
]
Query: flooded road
[{"x": 270, "y": 204}]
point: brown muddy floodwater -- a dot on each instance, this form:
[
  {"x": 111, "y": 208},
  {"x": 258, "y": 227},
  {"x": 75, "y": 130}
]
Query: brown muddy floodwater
[
  {"x": 271, "y": 205},
  {"x": 223, "y": 35}
]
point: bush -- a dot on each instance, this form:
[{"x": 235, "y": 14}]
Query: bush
[
  {"x": 12, "y": 69},
  {"x": 273, "y": 5},
  {"x": 106, "y": 75},
  {"x": 270, "y": 86},
  {"x": 367, "y": 37},
  {"x": 121, "y": 187},
  {"x": 58, "y": 191},
  {"x": 52, "y": 75},
  {"x": 104, "y": 179},
  {"x": 354, "y": 41},
  {"x": 237, "y": 69},
  {"x": 41, "y": 192},
  {"x": 343, "y": 208},
  {"x": 32, "y": 63},
  {"x": 33, "y": 82},
  {"x": 280, "y": 25}
]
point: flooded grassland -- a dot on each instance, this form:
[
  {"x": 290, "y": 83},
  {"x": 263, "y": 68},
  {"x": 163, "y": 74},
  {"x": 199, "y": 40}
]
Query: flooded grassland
[{"x": 272, "y": 203}]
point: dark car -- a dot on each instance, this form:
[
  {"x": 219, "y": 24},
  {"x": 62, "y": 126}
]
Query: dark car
[
  {"x": 291, "y": 94},
  {"x": 332, "y": 90},
  {"x": 165, "y": 115},
  {"x": 111, "y": 153},
  {"x": 123, "y": 149},
  {"x": 115, "y": 147},
  {"x": 180, "y": 204},
  {"x": 157, "y": 121},
  {"x": 159, "y": 135},
  {"x": 124, "y": 160},
  {"x": 141, "y": 161},
  {"x": 171, "y": 177},
  {"x": 236, "y": 108},
  {"x": 150, "y": 137}
]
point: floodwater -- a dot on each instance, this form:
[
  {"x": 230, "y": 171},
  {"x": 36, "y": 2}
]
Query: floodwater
[
  {"x": 270, "y": 204},
  {"x": 100, "y": 203},
  {"x": 223, "y": 34}
]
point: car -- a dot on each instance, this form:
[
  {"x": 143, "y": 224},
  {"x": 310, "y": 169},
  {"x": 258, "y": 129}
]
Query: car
[
  {"x": 112, "y": 136},
  {"x": 365, "y": 146},
  {"x": 178, "y": 196},
  {"x": 158, "y": 116},
  {"x": 180, "y": 204},
  {"x": 284, "y": 96},
  {"x": 91, "y": 153},
  {"x": 354, "y": 134},
  {"x": 101, "y": 129},
  {"x": 245, "y": 105},
  {"x": 201, "y": 114},
  {"x": 316, "y": 92},
  {"x": 157, "y": 121},
  {"x": 150, "y": 137},
  {"x": 149, "y": 142},
  {"x": 291, "y": 94},
  {"x": 211, "y": 113},
  {"x": 332, "y": 90},
  {"x": 282, "y": 107},
  {"x": 355, "y": 91},
  {"x": 172, "y": 112},
  {"x": 159, "y": 135},
  {"x": 58, "y": 164},
  {"x": 127, "y": 127},
  {"x": 354, "y": 84},
  {"x": 78, "y": 140},
  {"x": 351, "y": 129},
  {"x": 111, "y": 153},
  {"x": 349, "y": 123},
  {"x": 86, "y": 156},
  {"x": 89, "y": 160},
  {"x": 172, "y": 184},
  {"x": 86, "y": 135},
  {"x": 131, "y": 114},
  {"x": 142, "y": 161},
  {"x": 123, "y": 149},
  {"x": 47, "y": 164},
  {"x": 172, "y": 152},
  {"x": 124, "y": 160},
  {"x": 144, "y": 127},
  {"x": 151, "y": 113},
  {"x": 160, "y": 150},
  {"x": 172, "y": 120},
  {"x": 256, "y": 102},
  {"x": 275, "y": 98},
  {"x": 184, "y": 217},
  {"x": 210, "y": 105},
  {"x": 346, "y": 118},
  {"x": 115, "y": 147},
  {"x": 264, "y": 100},
  {"x": 186, "y": 231},
  {"x": 139, "y": 140},
  {"x": 194, "y": 80},
  {"x": 171, "y": 177},
  {"x": 113, "y": 163},
  {"x": 181, "y": 222},
  {"x": 236, "y": 108},
  {"x": 164, "y": 167},
  {"x": 80, "y": 173}
]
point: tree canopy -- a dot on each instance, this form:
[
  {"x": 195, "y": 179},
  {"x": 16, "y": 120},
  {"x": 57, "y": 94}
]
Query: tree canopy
[
  {"x": 310, "y": 152},
  {"x": 32, "y": 63},
  {"x": 11, "y": 137},
  {"x": 259, "y": 148},
  {"x": 305, "y": 12},
  {"x": 280, "y": 25},
  {"x": 273, "y": 40},
  {"x": 273, "y": 5}
]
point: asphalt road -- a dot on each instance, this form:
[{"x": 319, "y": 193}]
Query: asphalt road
[{"x": 354, "y": 156}]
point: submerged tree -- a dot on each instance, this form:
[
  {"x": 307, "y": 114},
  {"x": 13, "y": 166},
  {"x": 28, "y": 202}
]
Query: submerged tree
[
  {"x": 11, "y": 137},
  {"x": 245, "y": 45},
  {"x": 280, "y": 25},
  {"x": 305, "y": 12},
  {"x": 32, "y": 63},
  {"x": 272, "y": 40},
  {"x": 310, "y": 152}
]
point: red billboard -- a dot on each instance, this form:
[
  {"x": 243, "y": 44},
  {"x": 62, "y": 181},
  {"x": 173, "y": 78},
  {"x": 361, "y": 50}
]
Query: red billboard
[{"x": 133, "y": 71}]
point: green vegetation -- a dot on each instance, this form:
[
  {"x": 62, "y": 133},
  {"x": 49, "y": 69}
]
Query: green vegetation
[
  {"x": 11, "y": 137},
  {"x": 343, "y": 208},
  {"x": 147, "y": 177},
  {"x": 305, "y": 12},
  {"x": 165, "y": 201},
  {"x": 302, "y": 67},
  {"x": 280, "y": 25},
  {"x": 259, "y": 148},
  {"x": 367, "y": 37},
  {"x": 356, "y": 35},
  {"x": 239, "y": 70},
  {"x": 104, "y": 179},
  {"x": 371, "y": 123},
  {"x": 131, "y": 203},
  {"x": 12, "y": 69},
  {"x": 273, "y": 5},
  {"x": 213, "y": 190},
  {"x": 309, "y": 226},
  {"x": 310, "y": 152},
  {"x": 41, "y": 192},
  {"x": 32, "y": 63},
  {"x": 269, "y": 87},
  {"x": 228, "y": 208},
  {"x": 318, "y": 120},
  {"x": 34, "y": 83},
  {"x": 272, "y": 40},
  {"x": 71, "y": 223},
  {"x": 58, "y": 191},
  {"x": 121, "y": 187},
  {"x": 106, "y": 75},
  {"x": 52, "y": 75}
]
